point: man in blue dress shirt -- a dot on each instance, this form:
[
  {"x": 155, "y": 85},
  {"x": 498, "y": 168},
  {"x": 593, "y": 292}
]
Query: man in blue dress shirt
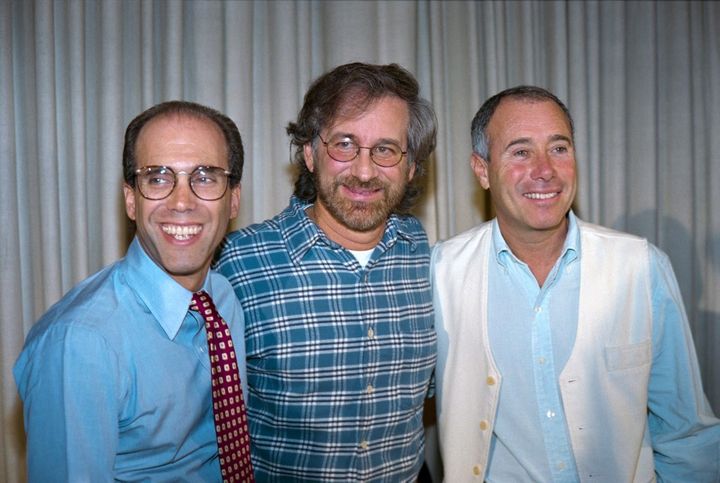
[
  {"x": 336, "y": 292},
  {"x": 115, "y": 377},
  {"x": 564, "y": 351}
]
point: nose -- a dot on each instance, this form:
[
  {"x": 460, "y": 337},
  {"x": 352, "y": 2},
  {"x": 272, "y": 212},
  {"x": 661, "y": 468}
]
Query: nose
[
  {"x": 182, "y": 198},
  {"x": 363, "y": 166},
  {"x": 543, "y": 168}
]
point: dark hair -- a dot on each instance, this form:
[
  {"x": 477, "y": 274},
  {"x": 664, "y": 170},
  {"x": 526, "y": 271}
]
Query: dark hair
[
  {"x": 348, "y": 90},
  {"x": 478, "y": 130},
  {"x": 184, "y": 108}
]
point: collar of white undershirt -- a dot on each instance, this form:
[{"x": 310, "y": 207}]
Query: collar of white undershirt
[{"x": 362, "y": 256}]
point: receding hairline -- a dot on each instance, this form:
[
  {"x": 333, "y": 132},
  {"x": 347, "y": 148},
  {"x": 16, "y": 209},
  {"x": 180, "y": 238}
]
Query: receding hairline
[
  {"x": 529, "y": 99},
  {"x": 179, "y": 116}
]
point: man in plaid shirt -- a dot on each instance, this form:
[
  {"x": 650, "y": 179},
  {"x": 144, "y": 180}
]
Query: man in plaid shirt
[{"x": 338, "y": 307}]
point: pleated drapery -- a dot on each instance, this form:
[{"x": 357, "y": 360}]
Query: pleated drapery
[{"x": 641, "y": 78}]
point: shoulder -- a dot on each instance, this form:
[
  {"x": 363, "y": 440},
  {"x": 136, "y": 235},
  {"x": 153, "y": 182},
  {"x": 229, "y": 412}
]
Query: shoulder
[
  {"x": 88, "y": 319},
  {"x": 248, "y": 253},
  {"x": 609, "y": 234},
  {"x": 467, "y": 241},
  {"x": 410, "y": 229},
  {"x": 91, "y": 303},
  {"x": 608, "y": 242},
  {"x": 247, "y": 244},
  {"x": 409, "y": 224},
  {"x": 616, "y": 252},
  {"x": 656, "y": 255},
  {"x": 94, "y": 306},
  {"x": 266, "y": 231}
]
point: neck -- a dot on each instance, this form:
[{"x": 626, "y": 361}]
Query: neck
[
  {"x": 539, "y": 249},
  {"x": 341, "y": 234}
]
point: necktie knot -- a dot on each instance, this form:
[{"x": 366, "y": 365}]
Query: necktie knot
[{"x": 201, "y": 301}]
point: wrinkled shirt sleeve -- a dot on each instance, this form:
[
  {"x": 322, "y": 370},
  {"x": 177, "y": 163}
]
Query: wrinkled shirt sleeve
[
  {"x": 685, "y": 434},
  {"x": 70, "y": 405}
]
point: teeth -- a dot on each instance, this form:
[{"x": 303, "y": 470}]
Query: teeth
[
  {"x": 181, "y": 232},
  {"x": 540, "y": 196}
]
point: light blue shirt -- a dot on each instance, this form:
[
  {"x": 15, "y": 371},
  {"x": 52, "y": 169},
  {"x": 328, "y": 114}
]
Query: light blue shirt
[
  {"x": 532, "y": 332},
  {"x": 115, "y": 379}
]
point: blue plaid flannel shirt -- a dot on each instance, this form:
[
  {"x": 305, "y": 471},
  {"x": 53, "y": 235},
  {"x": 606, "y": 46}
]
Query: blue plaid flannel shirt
[{"x": 339, "y": 357}]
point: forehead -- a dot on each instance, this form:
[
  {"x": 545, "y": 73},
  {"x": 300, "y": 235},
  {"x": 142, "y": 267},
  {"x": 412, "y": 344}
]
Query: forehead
[
  {"x": 518, "y": 117},
  {"x": 179, "y": 139},
  {"x": 385, "y": 117}
]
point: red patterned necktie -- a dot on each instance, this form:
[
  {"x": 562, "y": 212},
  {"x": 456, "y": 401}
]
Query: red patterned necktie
[{"x": 231, "y": 426}]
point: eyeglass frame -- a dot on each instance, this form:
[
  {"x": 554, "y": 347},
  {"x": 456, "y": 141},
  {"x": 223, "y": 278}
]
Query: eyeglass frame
[
  {"x": 228, "y": 178},
  {"x": 357, "y": 153}
]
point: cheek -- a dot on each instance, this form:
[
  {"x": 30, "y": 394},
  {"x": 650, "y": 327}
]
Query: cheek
[
  {"x": 570, "y": 170},
  {"x": 328, "y": 173},
  {"x": 507, "y": 175}
]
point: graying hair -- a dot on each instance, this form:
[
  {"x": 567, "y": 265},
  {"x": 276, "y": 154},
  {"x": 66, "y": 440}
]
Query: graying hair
[{"x": 478, "y": 130}]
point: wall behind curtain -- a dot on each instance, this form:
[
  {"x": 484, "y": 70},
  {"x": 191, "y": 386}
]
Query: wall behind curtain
[{"x": 642, "y": 80}]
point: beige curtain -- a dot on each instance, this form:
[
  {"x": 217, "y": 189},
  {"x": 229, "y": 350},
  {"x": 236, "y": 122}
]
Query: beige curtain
[{"x": 641, "y": 78}]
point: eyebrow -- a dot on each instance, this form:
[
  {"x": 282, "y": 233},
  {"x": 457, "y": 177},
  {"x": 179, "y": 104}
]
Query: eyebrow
[
  {"x": 342, "y": 135},
  {"x": 553, "y": 138}
]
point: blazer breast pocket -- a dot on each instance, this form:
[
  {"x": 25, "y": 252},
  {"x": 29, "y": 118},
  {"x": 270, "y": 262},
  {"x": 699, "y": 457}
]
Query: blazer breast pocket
[{"x": 628, "y": 356}]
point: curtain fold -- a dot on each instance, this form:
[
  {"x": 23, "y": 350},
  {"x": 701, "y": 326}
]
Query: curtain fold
[{"x": 642, "y": 80}]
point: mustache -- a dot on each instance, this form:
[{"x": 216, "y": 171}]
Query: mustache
[{"x": 354, "y": 182}]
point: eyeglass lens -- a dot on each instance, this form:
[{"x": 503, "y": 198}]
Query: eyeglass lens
[
  {"x": 345, "y": 149},
  {"x": 206, "y": 182}
]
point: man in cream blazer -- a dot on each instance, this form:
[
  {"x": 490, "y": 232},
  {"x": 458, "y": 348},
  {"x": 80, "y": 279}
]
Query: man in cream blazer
[{"x": 564, "y": 351}]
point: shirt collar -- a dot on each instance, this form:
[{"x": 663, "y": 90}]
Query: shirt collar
[
  {"x": 301, "y": 233},
  {"x": 570, "y": 251},
  {"x": 167, "y": 300}
]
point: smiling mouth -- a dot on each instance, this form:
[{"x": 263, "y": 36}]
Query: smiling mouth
[
  {"x": 181, "y": 232},
  {"x": 541, "y": 196},
  {"x": 362, "y": 191}
]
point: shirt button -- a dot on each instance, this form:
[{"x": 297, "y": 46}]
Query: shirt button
[
  {"x": 364, "y": 444},
  {"x": 483, "y": 425},
  {"x": 541, "y": 360},
  {"x": 561, "y": 466},
  {"x": 477, "y": 470},
  {"x": 538, "y": 309},
  {"x": 371, "y": 333},
  {"x": 550, "y": 414},
  {"x": 370, "y": 389},
  {"x": 490, "y": 381}
]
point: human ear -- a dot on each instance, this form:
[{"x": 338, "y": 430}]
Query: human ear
[
  {"x": 129, "y": 193},
  {"x": 309, "y": 157},
  {"x": 479, "y": 166}
]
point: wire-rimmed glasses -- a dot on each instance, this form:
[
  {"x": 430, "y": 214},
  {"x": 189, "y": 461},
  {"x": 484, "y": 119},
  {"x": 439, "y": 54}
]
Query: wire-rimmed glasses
[
  {"x": 344, "y": 149},
  {"x": 208, "y": 183}
]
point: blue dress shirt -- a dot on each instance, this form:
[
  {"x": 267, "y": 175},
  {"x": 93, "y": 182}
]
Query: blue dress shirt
[
  {"x": 532, "y": 332},
  {"x": 115, "y": 379},
  {"x": 339, "y": 355}
]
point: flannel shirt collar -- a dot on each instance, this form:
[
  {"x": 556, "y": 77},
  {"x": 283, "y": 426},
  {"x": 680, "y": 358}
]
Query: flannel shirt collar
[{"x": 301, "y": 233}]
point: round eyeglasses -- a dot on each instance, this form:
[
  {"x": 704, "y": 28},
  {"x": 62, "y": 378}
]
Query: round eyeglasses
[
  {"x": 344, "y": 149},
  {"x": 208, "y": 183}
]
